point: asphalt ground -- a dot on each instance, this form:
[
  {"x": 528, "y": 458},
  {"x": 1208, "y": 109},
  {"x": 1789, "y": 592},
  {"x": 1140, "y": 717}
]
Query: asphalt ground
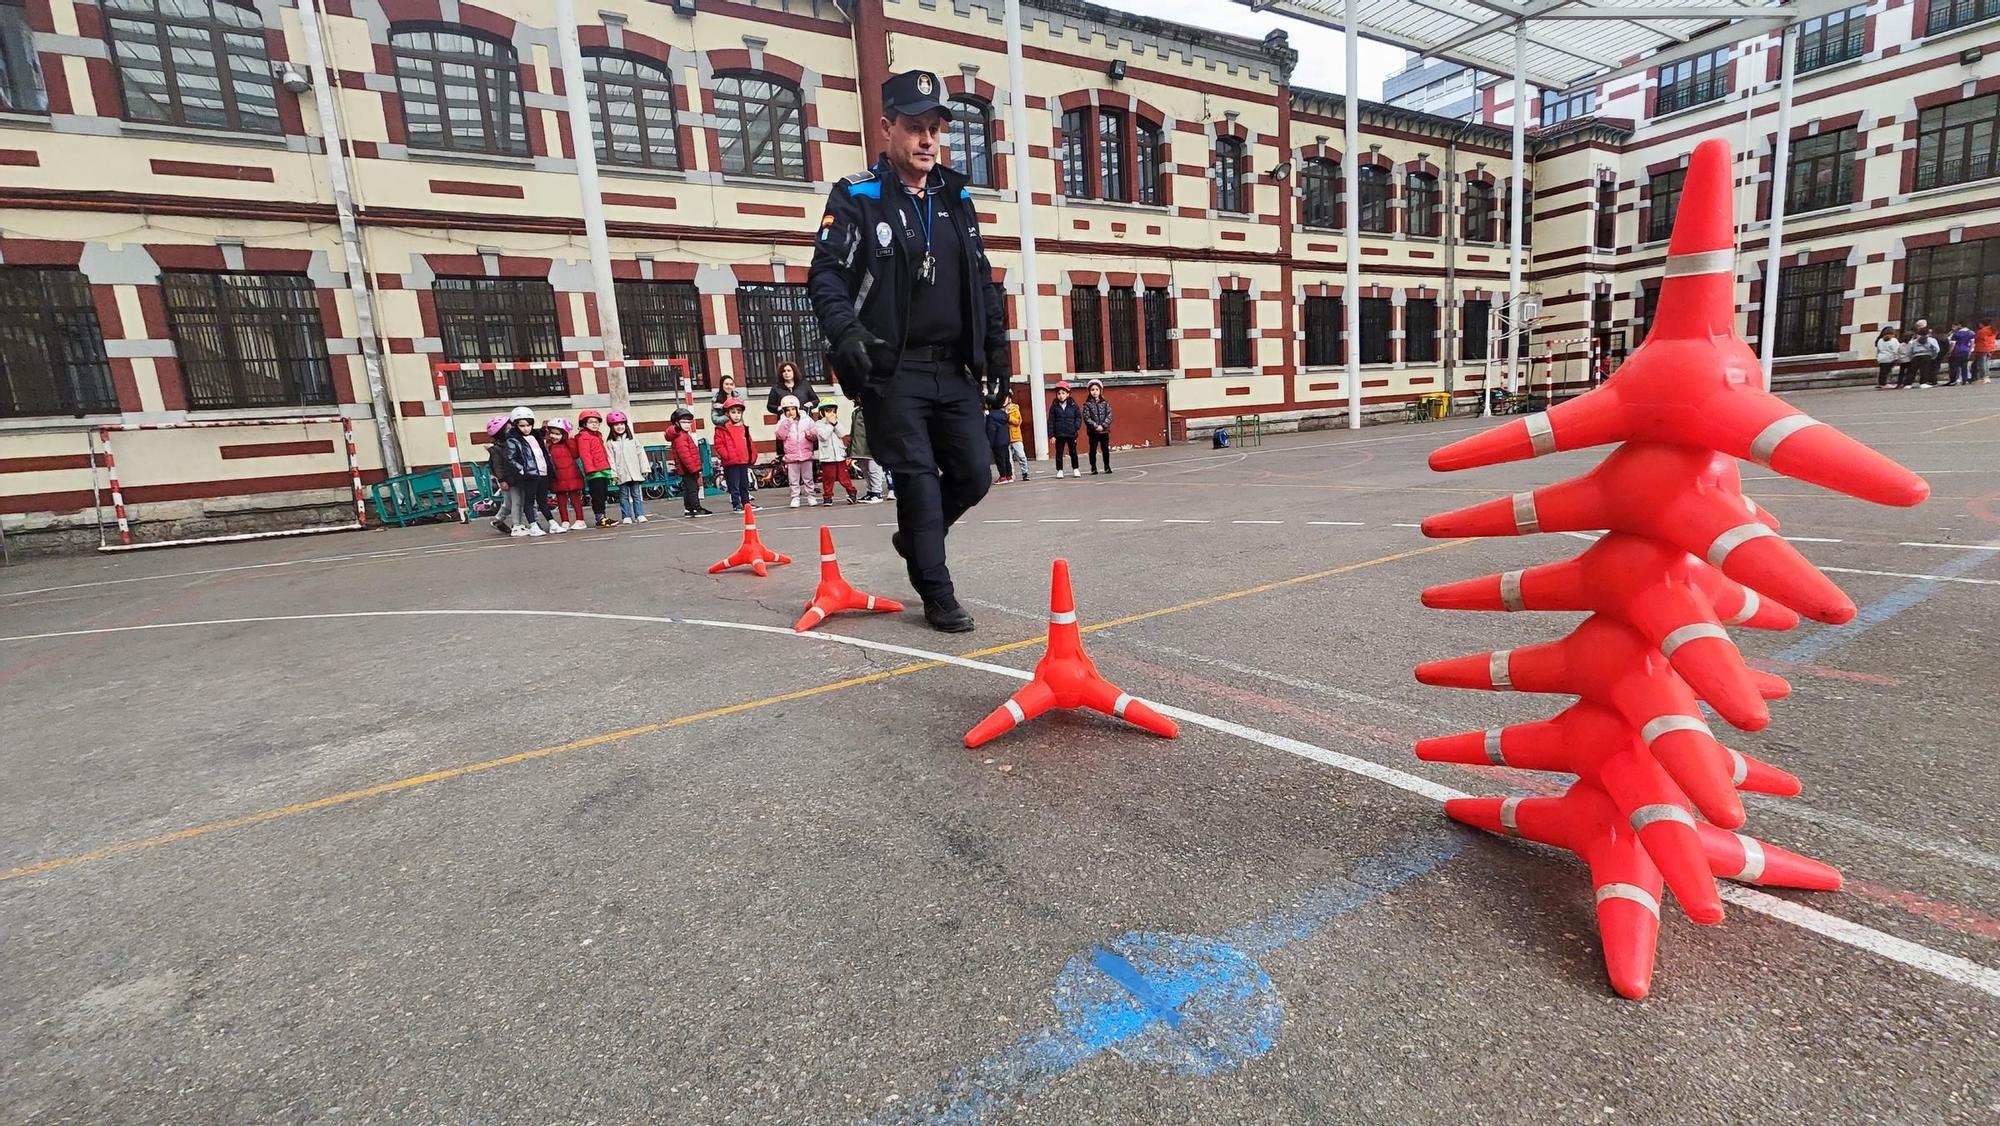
[{"x": 398, "y": 831}]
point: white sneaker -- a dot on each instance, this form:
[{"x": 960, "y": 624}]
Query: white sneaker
[
  {"x": 624, "y": 519},
  {"x": 872, "y": 500},
  {"x": 536, "y": 530},
  {"x": 1059, "y": 474},
  {"x": 578, "y": 526},
  {"x": 518, "y": 532},
  {"x": 812, "y": 502},
  {"x": 643, "y": 518},
  {"x": 558, "y": 528},
  {"x": 795, "y": 502}
]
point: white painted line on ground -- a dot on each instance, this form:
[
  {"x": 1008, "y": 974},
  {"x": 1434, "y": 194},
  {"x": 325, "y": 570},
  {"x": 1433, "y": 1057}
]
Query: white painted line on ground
[
  {"x": 1183, "y": 521},
  {"x": 1060, "y": 520},
  {"x": 1798, "y": 811},
  {"x": 1953, "y": 546},
  {"x": 1949, "y": 967},
  {"x": 1406, "y": 525},
  {"x": 1000, "y": 521},
  {"x": 1338, "y": 523},
  {"x": 1256, "y": 521},
  {"x": 1120, "y": 520},
  {"x": 1811, "y": 539},
  {"x": 1909, "y": 575}
]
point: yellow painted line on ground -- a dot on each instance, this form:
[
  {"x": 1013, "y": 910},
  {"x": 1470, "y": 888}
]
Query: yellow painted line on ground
[{"x": 194, "y": 832}]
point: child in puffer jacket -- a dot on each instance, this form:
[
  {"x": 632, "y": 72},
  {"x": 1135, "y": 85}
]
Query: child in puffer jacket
[
  {"x": 737, "y": 452},
  {"x": 496, "y": 470},
  {"x": 565, "y": 479},
  {"x": 596, "y": 459},
  {"x": 996, "y": 435},
  {"x": 832, "y": 455},
  {"x": 796, "y": 439},
  {"x": 686, "y": 455},
  {"x": 629, "y": 467}
]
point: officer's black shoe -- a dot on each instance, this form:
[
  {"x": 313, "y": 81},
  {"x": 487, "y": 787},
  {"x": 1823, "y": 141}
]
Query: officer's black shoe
[{"x": 947, "y": 617}]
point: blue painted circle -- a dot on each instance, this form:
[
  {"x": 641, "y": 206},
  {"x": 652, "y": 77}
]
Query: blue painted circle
[{"x": 1187, "y": 1005}]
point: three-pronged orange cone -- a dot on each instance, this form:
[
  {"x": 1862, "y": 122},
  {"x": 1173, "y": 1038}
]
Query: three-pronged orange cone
[
  {"x": 752, "y": 553},
  {"x": 834, "y": 594},
  {"x": 1066, "y": 678}
]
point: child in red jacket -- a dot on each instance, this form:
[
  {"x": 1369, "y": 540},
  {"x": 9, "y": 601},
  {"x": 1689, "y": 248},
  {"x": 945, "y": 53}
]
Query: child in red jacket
[
  {"x": 596, "y": 459},
  {"x": 565, "y": 479},
  {"x": 737, "y": 451},
  {"x": 686, "y": 457}
]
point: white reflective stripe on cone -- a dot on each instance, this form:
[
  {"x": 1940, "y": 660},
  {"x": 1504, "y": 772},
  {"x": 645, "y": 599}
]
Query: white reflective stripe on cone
[
  {"x": 1541, "y": 434},
  {"x": 1647, "y": 814},
  {"x": 1633, "y": 892},
  {"x": 1062, "y": 617},
  {"x": 1667, "y": 724},
  {"x": 1496, "y": 668},
  {"x": 1525, "y": 520},
  {"x": 1014, "y": 709},
  {"x": 1510, "y": 590},
  {"x": 1739, "y": 767},
  {"x": 829, "y": 558},
  {"x": 1774, "y": 435},
  {"x": 1750, "y": 607},
  {"x": 1493, "y": 752},
  {"x": 871, "y": 602},
  {"x": 1694, "y": 632},
  {"x": 1702, "y": 262},
  {"x": 1508, "y": 809},
  {"x": 1718, "y": 552},
  {"x": 1119, "y": 705},
  {"x": 1753, "y": 859}
]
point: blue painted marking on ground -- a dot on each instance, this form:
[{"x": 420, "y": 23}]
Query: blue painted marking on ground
[
  {"x": 1821, "y": 641},
  {"x": 1229, "y": 1011}
]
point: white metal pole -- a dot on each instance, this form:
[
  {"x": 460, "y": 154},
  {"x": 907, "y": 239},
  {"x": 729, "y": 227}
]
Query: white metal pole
[
  {"x": 1350, "y": 164},
  {"x": 1781, "y": 158},
  {"x": 1514, "y": 207},
  {"x": 382, "y": 406},
  {"x": 1024, "y": 209},
  {"x": 1486, "y": 365},
  {"x": 584, "y": 140}
]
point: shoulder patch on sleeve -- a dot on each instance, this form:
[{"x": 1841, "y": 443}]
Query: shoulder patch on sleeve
[
  {"x": 870, "y": 189},
  {"x": 860, "y": 177},
  {"x": 965, "y": 193}
]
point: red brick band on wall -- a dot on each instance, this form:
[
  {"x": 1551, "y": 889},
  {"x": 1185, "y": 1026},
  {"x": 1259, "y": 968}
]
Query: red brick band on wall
[
  {"x": 212, "y": 171},
  {"x": 277, "y": 449}
]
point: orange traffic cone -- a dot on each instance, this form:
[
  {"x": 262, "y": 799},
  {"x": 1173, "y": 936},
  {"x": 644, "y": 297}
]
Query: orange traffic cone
[
  {"x": 1066, "y": 678},
  {"x": 753, "y": 552},
  {"x": 834, "y": 595}
]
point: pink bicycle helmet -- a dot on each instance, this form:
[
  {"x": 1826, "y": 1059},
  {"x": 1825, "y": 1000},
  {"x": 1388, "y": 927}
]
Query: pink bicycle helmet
[
  {"x": 561, "y": 424},
  {"x": 616, "y": 417},
  {"x": 495, "y": 425}
]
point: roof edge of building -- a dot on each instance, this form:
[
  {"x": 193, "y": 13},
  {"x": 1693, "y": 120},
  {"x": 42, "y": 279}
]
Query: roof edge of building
[{"x": 1274, "y": 48}]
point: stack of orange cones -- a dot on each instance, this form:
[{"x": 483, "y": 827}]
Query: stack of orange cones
[
  {"x": 834, "y": 594},
  {"x": 752, "y": 553},
  {"x": 1066, "y": 678},
  {"x": 1656, "y": 800}
]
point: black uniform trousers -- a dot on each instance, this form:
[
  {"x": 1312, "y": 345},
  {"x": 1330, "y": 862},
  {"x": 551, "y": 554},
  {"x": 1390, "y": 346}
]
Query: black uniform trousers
[{"x": 927, "y": 426}]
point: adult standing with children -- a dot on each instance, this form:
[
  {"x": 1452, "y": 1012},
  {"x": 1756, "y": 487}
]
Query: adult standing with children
[{"x": 903, "y": 290}]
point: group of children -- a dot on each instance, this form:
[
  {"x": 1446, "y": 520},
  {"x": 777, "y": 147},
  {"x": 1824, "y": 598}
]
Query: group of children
[
  {"x": 813, "y": 451},
  {"x": 1067, "y": 418},
  {"x": 544, "y": 472}
]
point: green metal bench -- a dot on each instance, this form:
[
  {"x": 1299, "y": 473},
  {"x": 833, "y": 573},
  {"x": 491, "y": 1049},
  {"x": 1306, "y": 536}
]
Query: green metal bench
[{"x": 425, "y": 495}]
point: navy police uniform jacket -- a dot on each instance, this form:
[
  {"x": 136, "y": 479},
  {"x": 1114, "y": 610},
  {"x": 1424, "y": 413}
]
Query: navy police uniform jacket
[{"x": 865, "y": 261}]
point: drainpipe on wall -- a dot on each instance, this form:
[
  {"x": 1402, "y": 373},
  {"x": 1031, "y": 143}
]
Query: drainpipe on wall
[
  {"x": 1453, "y": 332},
  {"x": 383, "y": 407}
]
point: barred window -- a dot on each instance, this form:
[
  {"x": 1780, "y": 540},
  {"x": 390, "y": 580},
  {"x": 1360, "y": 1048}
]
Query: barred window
[
  {"x": 1607, "y": 215},
  {"x": 1822, "y": 172},
  {"x": 1809, "y": 308},
  {"x": 1376, "y": 191},
  {"x": 499, "y": 320},
  {"x": 1960, "y": 281},
  {"x": 1663, "y": 201},
  {"x": 1323, "y": 325},
  {"x": 1159, "y": 320},
  {"x": 248, "y": 340},
  {"x": 1086, "y": 322},
  {"x": 1948, "y": 14},
  {"x": 760, "y": 127},
  {"x": 632, "y": 106},
  {"x": 1231, "y": 193},
  {"x": 1146, "y": 162},
  {"x": 1956, "y": 143},
  {"x": 1420, "y": 325},
  {"x": 969, "y": 139},
  {"x": 661, "y": 320},
  {"x": 1375, "y": 330},
  {"x": 1422, "y": 203},
  {"x": 777, "y": 324},
  {"x": 1649, "y": 307},
  {"x": 1111, "y": 164},
  {"x": 461, "y": 90},
  {"x": 1319, "y": 193},
  {"x": 1478, "y": 211},
  {"x": 20, "y": 66},
  {"x": 1835, "y": 37},
  {"x": 1235, "y": 328},
  {"x": 1474, "y": 334},
  {"x": 1558, "y": 108},
  {"x": 1122, "y": 314},
  {"x": 1690, "y": 82},
  {"x": 1078, "y": 183},
  {"x": 51, "y": 346},
  {"x": 193, "y": 62}
]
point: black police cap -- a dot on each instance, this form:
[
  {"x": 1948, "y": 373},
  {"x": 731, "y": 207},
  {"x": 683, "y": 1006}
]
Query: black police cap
[{"x": 913, "y": 92}]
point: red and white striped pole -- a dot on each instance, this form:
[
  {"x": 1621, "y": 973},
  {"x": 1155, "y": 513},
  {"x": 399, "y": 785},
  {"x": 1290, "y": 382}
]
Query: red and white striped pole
[
  {"x": 117, "y": 494},
  {"x": 354, "y": 470},
  {"x": 443, "y": 387}
]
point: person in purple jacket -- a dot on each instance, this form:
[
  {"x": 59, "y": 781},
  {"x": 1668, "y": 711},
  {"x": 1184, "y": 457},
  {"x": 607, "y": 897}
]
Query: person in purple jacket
[{"x": 1960, "y": 344}]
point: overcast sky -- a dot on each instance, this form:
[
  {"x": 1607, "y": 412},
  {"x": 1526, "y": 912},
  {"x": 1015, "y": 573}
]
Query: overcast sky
[{"x": 1322, "y": 53}]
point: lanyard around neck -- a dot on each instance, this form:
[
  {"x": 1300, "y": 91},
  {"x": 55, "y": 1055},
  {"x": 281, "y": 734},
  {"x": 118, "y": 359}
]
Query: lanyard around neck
[{"x": 924, "y": 216}]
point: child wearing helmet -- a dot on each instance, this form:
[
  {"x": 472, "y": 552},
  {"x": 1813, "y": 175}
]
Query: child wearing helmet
[
  {"x": 630, "y": 467},
  {"x": 596, "y": 459},
  {"x": 1065, "y": 419},
  {"x": 496, "y": 470},
  {"x": 565, "y": 479},
  {"x": 832, "y": 455},
  {"x": 527, "y": 468},
  {"x": 796, "y": 439},
  {"x": 737, "y": 452},
  {"x": 686, "y": 455}
]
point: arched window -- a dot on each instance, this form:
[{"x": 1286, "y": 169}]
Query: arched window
[
  {"x": 1231, "y": 194},
  {"x": 1109, "y": 154},
  {"x": 1375, "y": 193},
  {"x": 460, "y": 90},
  {"x": 193, "y": 62},
  {"x": 632, "y": 107},
  {"x": 1146, "y": 162},
  {"x": 760, "y": 127},
  {"x": 969, "y": 139},
  {"x": 1478, "y": 211},
  {"x": 1420, "y": 199},
  {"x": 1319, "y": 192}
]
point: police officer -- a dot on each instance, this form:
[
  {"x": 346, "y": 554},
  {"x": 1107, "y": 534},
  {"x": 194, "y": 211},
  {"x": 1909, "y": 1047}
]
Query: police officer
[{"x": 904, "y": 292}]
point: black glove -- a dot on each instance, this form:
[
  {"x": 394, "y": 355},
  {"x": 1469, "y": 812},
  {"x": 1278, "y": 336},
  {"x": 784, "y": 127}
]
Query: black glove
[
  {"x": 999, "y": 372},
  {"x": 851, "y": 359}
]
